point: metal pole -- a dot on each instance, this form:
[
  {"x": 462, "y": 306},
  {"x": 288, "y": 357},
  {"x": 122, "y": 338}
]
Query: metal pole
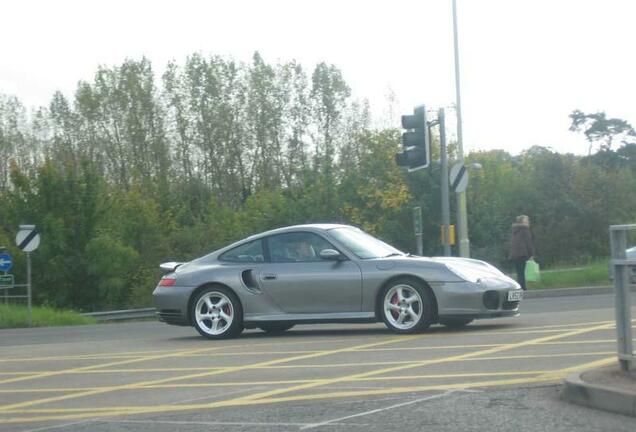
[
  {"x": 28, "y": 254},
  {"x": 622, "y": 298},
  {"x": 444, "y": 184},
  {"x": 417, "y": 225},
  {"x": 462, "y": 216},
  {"x": 6, "y": 288}
]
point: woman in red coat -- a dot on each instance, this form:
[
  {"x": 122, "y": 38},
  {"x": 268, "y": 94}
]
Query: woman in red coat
[{"x": 521, "y": 247}]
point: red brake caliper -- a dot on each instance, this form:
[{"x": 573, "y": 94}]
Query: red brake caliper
[
  {"x": 227, "y": 309},
  {"x": 394, "y": 300}
]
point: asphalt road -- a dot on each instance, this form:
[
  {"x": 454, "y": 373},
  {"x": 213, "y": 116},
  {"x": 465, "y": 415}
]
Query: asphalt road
[{"x": 496, "y": 375}]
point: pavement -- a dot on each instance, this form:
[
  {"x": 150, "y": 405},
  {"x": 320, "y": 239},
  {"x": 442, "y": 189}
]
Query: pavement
[{"x": 607, "y": 388}]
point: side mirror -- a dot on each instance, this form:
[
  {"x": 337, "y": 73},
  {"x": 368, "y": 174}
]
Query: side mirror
[{"x": 330, "y": 255}]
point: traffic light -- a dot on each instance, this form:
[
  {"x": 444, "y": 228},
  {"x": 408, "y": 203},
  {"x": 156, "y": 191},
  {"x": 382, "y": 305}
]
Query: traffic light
[{"x": 416, "y": 154}]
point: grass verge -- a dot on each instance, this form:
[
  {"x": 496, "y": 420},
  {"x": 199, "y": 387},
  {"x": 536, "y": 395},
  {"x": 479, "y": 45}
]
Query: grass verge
[
  {"x": 14, "y": 316},
  {"x": 593, "y": 274}
]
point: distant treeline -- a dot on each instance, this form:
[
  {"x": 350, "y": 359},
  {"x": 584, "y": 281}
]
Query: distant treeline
[{"x": 136, "y": 170}]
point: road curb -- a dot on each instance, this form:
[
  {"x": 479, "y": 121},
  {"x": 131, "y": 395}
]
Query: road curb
[
  {"x": 580, "y": 392},
  {"x": 565, "y": 292}
]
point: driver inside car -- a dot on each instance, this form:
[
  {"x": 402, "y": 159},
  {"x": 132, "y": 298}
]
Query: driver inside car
[{"x": 303, "y": 251}]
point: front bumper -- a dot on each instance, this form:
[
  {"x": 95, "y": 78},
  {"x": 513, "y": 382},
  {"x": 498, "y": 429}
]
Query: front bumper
[{"x": 486, "y": 299}]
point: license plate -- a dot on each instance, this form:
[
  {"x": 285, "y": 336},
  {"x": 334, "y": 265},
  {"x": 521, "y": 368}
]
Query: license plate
[{"x": 515, "y": 295}]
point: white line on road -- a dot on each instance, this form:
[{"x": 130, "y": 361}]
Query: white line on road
[
  {"x": 375, "y": 411},
  {"x": 60, "y": 426}
]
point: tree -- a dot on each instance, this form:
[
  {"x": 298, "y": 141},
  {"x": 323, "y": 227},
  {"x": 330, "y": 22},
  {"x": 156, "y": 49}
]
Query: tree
[
  {"x": 375, "y": 196},
  {"x": 599, "y": 129},
  {"x": 15, "y": 145}
]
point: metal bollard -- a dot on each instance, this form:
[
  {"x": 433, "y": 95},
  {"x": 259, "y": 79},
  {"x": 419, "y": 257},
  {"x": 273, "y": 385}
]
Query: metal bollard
[{"x": 622, "y": 294}]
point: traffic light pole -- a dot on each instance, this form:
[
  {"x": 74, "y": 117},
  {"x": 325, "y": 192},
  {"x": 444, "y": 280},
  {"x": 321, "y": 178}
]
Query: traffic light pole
[
  {"x": 444, "y": 183},
  {"x": 462, "y": 217}
]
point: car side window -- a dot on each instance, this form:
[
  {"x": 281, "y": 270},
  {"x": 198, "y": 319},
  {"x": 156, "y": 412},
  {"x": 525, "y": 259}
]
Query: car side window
[
  {"x": 248, "y": 252},
  {"x": 297, "y": 247}
]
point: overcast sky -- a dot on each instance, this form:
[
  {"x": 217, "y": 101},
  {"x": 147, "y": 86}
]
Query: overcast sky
[{"x": 525, "y": 64}]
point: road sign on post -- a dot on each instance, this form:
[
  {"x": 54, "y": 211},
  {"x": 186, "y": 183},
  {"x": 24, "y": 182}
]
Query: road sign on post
[
  {"x": 28, "y": 240},
  {"x": 459, "y": 177},
  {"x": 5, "y": 262}
]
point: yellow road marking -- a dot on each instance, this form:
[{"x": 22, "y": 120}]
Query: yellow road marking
[
  {"x": 422, "y": 348},
  {"x": 493, "y": 350},
  {"x": 318, "y": 366},
  {"x": 581, "y": 342},
  {"x": 265, "y": 397},
  {"x": 138, "y": 370},
  {"x": 69, "y": 413},
  {"x": 280, "y": 382},
  {"x": 136, "y": 360},
  {"x": 208, "y": 373},
  {"x": 268, "y": 394},
  {"x": 411, "y": 362},
  {"x": 548, "y": 377},
  {"x": 181, "y": 353},
  {"x": 133, "y": 354},
  {"x": 101, "y": 365}
]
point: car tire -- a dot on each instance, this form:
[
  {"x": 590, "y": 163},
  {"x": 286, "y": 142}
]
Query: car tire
[
  {"x": 455, "y": 323},
  {"x": 217, "y": 313},
  {"x": 274, "y": 328},
  {"x": 406, "y": 306}
]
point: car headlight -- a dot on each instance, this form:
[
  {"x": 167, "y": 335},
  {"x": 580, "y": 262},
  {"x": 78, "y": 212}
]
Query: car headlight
[
  {"x": 461, "y": 273},
  {"x": 494, "y": 269}
]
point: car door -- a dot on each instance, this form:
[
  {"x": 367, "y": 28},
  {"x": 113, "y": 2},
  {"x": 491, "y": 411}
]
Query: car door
[
  {"x": 299, "y": 281},
  {"x": 249, "y": 259}
]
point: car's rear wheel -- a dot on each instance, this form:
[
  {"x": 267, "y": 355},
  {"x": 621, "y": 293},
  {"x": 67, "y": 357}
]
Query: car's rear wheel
[
  {"x": 455, "y": 323},
  {"x": 406, "y": 306},
  {"x": 217, "y": 313},
  {"x": 275, "y": 327}
]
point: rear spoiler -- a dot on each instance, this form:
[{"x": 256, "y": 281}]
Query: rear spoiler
[{"x": 169, "y": 267}]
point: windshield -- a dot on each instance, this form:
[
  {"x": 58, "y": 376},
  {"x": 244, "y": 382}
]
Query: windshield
[{"x": 362, "y": 244}]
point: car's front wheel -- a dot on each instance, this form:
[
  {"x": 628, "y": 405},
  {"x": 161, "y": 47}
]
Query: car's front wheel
[
  {"x": 217, "y": 313},
  {"x": 407, "y": 307}
]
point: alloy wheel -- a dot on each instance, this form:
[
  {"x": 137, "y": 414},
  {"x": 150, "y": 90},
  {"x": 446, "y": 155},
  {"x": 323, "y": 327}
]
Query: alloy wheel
[
  {"x": 214, "y": 313},
  {"x": 403, "y": 306}
]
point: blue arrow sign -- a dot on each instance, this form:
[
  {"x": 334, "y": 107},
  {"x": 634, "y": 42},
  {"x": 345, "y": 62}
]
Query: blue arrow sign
[{"x": 5, "y": 262}]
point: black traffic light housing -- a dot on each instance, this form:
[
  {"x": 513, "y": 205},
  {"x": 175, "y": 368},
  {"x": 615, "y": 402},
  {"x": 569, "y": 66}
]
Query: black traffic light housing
[{"x": 416, "y": 154}]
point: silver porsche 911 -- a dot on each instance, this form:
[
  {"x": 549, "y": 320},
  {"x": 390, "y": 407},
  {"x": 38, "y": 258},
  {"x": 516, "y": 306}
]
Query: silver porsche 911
[{"x": 328, "y": 273}]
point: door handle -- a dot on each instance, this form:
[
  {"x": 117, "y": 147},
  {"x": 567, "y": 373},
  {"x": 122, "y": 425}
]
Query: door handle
[{"x": 269, "y": 276}]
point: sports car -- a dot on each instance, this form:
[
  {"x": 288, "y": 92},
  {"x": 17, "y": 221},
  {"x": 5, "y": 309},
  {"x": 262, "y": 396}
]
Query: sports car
[{"x": 328, "y": 273}]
